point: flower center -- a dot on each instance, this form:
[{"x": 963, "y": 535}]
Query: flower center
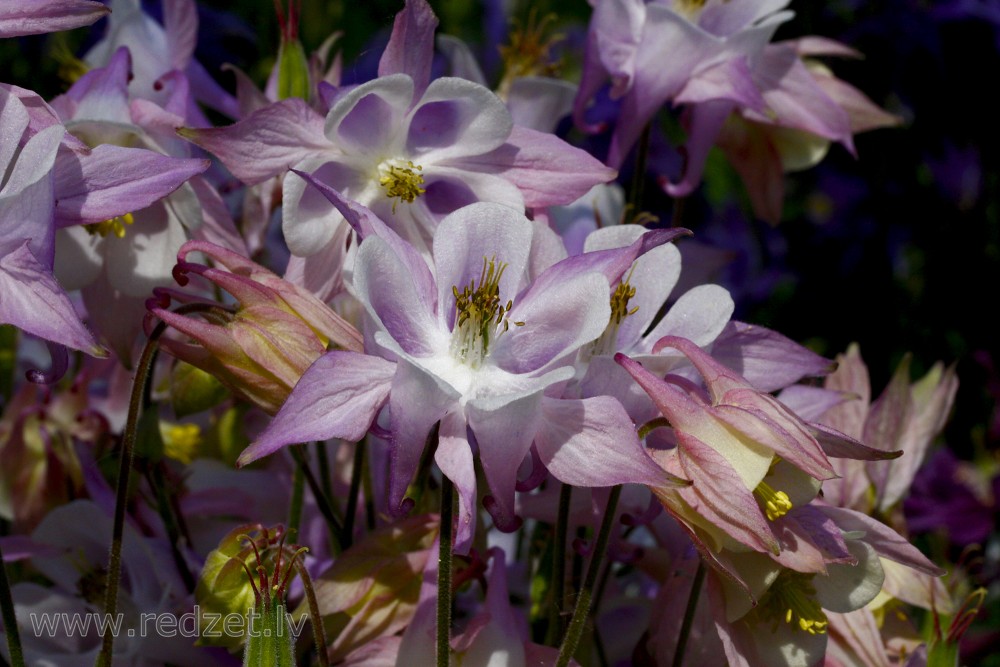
[
  {"x": 776, "y": 503},
  {"x": 401, "y": 180},
  {"x": 607, "y": 342},
  {"x": 114, "y": 226},
  {"x": 793, "y": 597},
  {"x": 480, "y": 317}
]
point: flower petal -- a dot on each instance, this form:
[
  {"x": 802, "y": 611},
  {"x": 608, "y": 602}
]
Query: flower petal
[
  {"x": 339, "y": 396},
  {"x": 454, "y": 456}
]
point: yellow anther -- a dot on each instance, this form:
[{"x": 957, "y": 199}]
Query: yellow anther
[
  {"x": 527, "y": 54},
  {"x": 401, "y": 180},
  {"x": 114, "y": 226},
  {"x": 776, "y": 503},
  {"x": 480, "y": 316},
  {"x": 792, "y": 597}
]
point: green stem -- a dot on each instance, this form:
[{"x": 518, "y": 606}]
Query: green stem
[
  {"x": 585, "y": 596},
  {"x": 638, "y": 176},
  {"x": 298, "y": 496},
  {"x": 125, "y": 463},
  {"x": 319, "y": 634},
  {"x": 368, "y": 490},
  {"x": 142, "y": 373},
  {"x": 444, "y": 575},
  {"x": 559, "y": 567},
  {"x": 9, "y": 618},
  {"x": 324, "y": 474},
  {"x": 154, "y": 477},
  {"x": 332, "y": 522},
  {"x": 692, "y": 606},
  {"x": 352, "y": 498}
]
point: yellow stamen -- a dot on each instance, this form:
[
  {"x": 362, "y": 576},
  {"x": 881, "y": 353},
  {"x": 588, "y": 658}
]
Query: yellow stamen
[
  {"x": 792, "y": 597},
  {"x": 70, "y": 68},
  {"x": 607, "y": 342},
  {"x": 527, "y": 54},
  {"x": 480, "y": 317},
  {"x": 401, "y": 180},
  {"x": 180, "y": 441},
  {"x": 114, "y": 226},
  {"x": 776, "y": 503}
]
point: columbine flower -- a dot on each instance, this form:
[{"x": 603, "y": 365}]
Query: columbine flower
[
  {"x": 410, "y": 149},
  {"x": 475, "y": 347},
  {"x": 751, "y": 458},
  {"x": 264, "y": 347},
  {"x": 654, "y": 52}
]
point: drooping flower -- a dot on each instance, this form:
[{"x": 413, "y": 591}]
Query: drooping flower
[
  {"x": 474, "y": 346},
  {"x": 654, "y": 52},
  {"x": 262, "y": 348}
]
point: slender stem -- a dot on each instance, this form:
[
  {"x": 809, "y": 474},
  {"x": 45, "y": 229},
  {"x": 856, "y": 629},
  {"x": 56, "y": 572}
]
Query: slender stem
[
  {"x": 319, "y": 634},
  {"x": 154, "y": 477},
  {"x": 352, "y": 498},
  {"x": 368, "y": 490},
  {"x": 324, "y": 472},
  {"x": 678, "y": 214},
  {"x": 559, "y": 567},
  {"x": 692, "y": 606},
  {"x": 139, "y": 391},
  {"x": 9, "y": 618},
  {"x": 638, "y": 176},
  {"x": 584, "y": 597},
  {"x": 298, "y": 496},
  {"x": 126, "y": 460},
  {"x": 333, "y": 523},
  {"x": 444, "y": 575}
]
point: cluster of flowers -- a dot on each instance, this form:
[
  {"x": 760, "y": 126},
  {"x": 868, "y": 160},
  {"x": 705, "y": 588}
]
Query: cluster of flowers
[{"x": 468, "y": 309}]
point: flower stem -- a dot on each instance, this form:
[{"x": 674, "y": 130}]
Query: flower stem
[
  {"x": 559, "y": 566},
  {"x": 352, "y": 498},
  {"x": 636, "y": 190},
  {"x": 9, "y": 618},
  {"x": 336, "y": 529},
  {"x": 444, "y": 575},
  {"x": 298, "y": 495},
  {"x": 585, "y": 596},
  {"x": 135, "y": 403},
  {"x": 692, "y": 606},
  {"x": 142, "y": 374},
  {"x": 319, "y": 635}
]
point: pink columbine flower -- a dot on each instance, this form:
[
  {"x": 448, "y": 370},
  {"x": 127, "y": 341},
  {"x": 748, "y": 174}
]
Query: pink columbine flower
[
  {"x": 477, "y": 347},
  {"x": 653, "y": 52}
]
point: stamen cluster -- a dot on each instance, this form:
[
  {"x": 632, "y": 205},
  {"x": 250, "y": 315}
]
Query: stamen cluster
[{"x": 480, "y": 317}]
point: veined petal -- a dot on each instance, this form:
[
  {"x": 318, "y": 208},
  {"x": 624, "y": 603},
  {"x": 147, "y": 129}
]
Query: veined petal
[
  {"x": 539, "y": 102},
  {"x": 267, "y": 143},
  {"x": 504, "y": 434},
  {"x": 699, "y": 315},
  {"x": 719, "y": 494},
  {"x": 456, "y": 118},
  {"x": 368, "y": 119},
  {"x": 32, "y": 300},
  {"x": 454, "y": 456},
  {"x": 557, "y": 321},
  {"x": 110, "y": 181},
  {"x": 886, "y": 542},
  {"x": 309, "y": 220},
  {"x": 592, "y": 442},
  {"x": 339, "y": 396},
  {"x": 387, "y": 290},
  {"x": 144, "y": 259},
  {"x": 34, "y": 17},
  {"x": 411, "y": 45},
  {"x": 418, "y": 400},
  {"x": 547, "y": 170},
  {"x": 839, "y": 445}
]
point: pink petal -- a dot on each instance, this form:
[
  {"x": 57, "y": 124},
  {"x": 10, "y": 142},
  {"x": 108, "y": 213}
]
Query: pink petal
[
  {"x": 339, "y": 396},
  {"x": 411, "y": 44}
]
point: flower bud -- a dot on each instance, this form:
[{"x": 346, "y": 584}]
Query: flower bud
[{"x": 261, "y": 347}]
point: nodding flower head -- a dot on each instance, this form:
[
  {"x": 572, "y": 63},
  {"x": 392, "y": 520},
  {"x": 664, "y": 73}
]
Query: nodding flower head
[{"x": 260, "y": 347}]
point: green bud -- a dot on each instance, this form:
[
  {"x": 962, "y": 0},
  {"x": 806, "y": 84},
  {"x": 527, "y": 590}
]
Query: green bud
[
  {"x": 192, "y": 390},
  {"x": 293, "y": 70}
]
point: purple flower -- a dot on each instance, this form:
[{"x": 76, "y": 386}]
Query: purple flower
[
  {"x": 33, "y": 17},
  {"x": 480, "y": 348}
]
